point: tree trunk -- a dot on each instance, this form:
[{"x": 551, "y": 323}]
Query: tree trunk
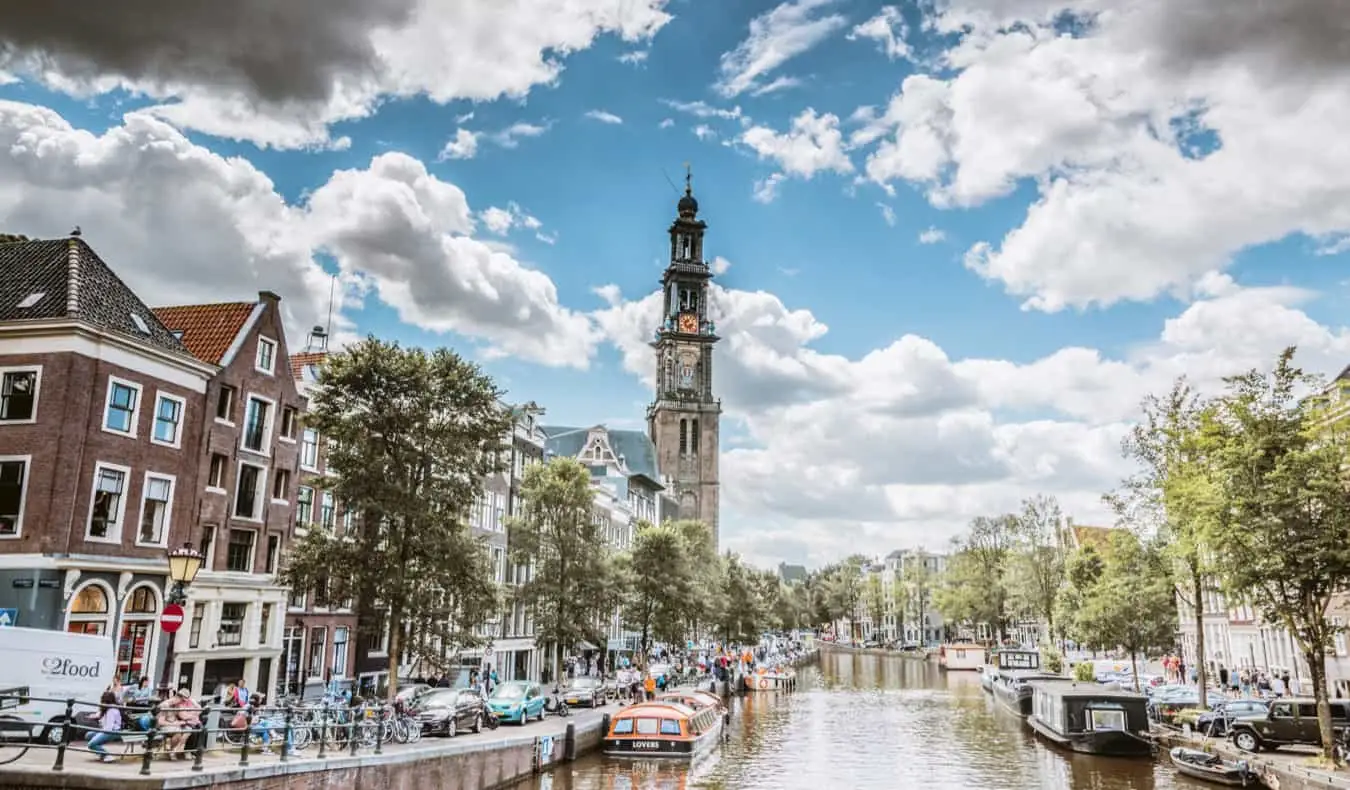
[
  {"x": 1198, "y": 593},
  {"x": 1317, "y": 667},
  {"x": 395, "y": 647},
  {"x": 1134, "y": 668}
]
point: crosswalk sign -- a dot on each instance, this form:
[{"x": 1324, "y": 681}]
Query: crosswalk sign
[{"x": 9, "y": 617}]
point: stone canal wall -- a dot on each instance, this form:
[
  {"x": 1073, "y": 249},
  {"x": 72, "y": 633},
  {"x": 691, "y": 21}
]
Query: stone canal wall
[
  {"x": 912, "y": 655},
  {"x": 485, "y": 764},
  {"x": 1282, "y": 770}
]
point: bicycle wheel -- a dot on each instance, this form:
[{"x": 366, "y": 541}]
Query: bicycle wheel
[
  {"x": 400, "y": 730},
  {"x": 414, "y": 730},
  {"x": 9, "y": 752},
  {"x": 300, "y": 737}
]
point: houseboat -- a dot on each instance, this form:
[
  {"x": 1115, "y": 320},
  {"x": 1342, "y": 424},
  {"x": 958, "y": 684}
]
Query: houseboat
[
  {"x": 1014, "y": 659},
  {"x": 988, "y": 677},
  {"x": 663, "y": 729},
  {"x": 1012, "y": 688},
  {"x": 961, "y": 656},
  {"x": 1088, "y": 718},
  {"x": 769, "y": 680}
]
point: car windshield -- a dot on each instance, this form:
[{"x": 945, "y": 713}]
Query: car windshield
[
  {"x": 585, "y": 683},
  {"x": 509, "y": 691},
  {"x": 436, "y": 699}
]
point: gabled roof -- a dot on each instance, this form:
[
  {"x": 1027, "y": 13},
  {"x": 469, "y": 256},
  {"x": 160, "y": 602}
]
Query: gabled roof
[
  {"x": 305, "y": 360},
  {"x": 638, "y": 452},
  {"x": 51, "y": 279},
  {"x": 208, "y": 330}
]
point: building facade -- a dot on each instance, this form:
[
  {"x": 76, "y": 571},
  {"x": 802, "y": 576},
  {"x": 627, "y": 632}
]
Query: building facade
[
  {"x": 514, "y": 652},
  {"x": 248, "y": 468},
  {"x": 101, "y": 412},
  {"x": 683, "y": 419}
]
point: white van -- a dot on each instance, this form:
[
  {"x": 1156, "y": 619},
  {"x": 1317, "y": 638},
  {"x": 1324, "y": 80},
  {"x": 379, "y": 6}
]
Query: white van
[{"x": 40, "y": 670}]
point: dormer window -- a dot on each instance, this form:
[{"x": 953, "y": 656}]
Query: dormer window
[
  {"x": 141, "y": 326},
  {"x": 31, "y": 300}
]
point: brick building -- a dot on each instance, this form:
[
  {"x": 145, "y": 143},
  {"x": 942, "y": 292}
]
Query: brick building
[{"x": 101, "y": 415}]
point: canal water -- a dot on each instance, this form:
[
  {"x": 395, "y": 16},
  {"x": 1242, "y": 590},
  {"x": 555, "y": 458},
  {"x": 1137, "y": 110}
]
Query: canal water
[{"x": 866, "y": 722}]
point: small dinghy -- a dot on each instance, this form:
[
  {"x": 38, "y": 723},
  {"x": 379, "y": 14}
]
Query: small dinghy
[{"x": 1213, "y": 768}]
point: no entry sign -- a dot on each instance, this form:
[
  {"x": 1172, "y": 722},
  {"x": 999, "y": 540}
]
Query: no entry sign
[{"x": 172, "y": 619}]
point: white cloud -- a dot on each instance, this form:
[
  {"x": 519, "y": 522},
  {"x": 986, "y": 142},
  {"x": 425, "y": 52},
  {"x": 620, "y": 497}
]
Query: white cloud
[
  {"x": 704, "y": 132},
  {"x": 813, "y": 144},
  {"x": 510, "y": 136},
  {"x": 719, "y": 265},
  {"x": 666, "y": 123},
  {"x": 701, "y": 109},
  {"x": 776, "y": 85},
  {"x": 244, "y": 79},
  {"x": 1161, "y": 143},
  {"x": 465, "y": 117},
  {"x": 932, "y": 235},
  {"x": 502, "y": 220},
  {"x": 183, "y": 224},
  {"x": 634, "y": 58},
  {"x": 903, "y": 445},
  {"x": 603, "y": 116},
  {"x": 775, "y": 37},
  {"x": 887, "y": 213},
  {"x": 464, "y": 145},
  {"x": 889, "y": 30}
]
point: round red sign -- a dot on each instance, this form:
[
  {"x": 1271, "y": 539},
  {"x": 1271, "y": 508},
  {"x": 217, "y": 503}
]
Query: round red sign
[{"x": 172, "y": 619}]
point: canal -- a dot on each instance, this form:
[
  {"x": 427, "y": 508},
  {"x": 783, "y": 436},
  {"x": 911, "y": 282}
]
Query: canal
[{"x": 861, "y": 722}]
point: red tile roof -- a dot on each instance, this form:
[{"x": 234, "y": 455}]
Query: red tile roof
[
  {"x": 208, "y": 330},
  {"x": 303, "y": 359},
  {"x": 1096, "y": 537}
]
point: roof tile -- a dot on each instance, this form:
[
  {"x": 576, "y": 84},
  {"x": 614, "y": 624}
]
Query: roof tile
[{"x": 208, "y": 330}]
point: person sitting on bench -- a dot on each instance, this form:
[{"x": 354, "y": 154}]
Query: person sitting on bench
[{"x": 109, "y": 724}]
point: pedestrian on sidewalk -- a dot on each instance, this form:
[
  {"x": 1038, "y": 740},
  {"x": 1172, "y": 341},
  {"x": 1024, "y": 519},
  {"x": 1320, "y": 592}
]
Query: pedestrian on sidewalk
[{"x": 109, "y": 726}]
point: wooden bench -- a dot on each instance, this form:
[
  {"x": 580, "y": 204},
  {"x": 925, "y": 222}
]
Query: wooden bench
[{"x": 132, "y": 741}]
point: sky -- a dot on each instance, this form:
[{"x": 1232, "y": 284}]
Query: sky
[{"x": 957, "y": 241}]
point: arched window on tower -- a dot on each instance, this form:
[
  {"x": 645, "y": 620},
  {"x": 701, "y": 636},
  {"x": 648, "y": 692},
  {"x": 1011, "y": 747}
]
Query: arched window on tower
[
  {"x": 684, "y": 436},
  {"x": 686, "y": 247},
  {"x": 693, "y": 436}
]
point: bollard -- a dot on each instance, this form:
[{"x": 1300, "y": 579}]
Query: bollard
[
  {"x": 352, "y": 734},
  {"x": 323, "y": 732},
  {"x": 604, "y": 725},
  {"x": 379, "y": 730},
  {"x": 248, "y": 733},
  {"x": 200, "y": 751},
  {"x": 150, "y": 740},
  {"x": 60, "y": 764},
  {"x": 286, "y": 735},
  {"x": 570, "y": 742}
]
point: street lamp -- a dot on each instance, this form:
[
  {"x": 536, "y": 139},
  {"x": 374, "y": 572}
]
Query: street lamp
[{"x": 184, "y": 564}]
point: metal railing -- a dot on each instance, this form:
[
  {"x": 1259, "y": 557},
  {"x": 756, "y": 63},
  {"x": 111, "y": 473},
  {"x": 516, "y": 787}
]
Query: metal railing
[{"x": 336, "y": 728}]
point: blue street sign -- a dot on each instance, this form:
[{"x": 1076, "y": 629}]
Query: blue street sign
[{"x": 9, "y": 617}]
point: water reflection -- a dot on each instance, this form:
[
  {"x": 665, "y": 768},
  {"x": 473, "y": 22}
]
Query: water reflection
[{"x": 863, "y": 721}]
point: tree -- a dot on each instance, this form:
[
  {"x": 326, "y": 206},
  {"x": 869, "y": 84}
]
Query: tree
[
  {"x": 1131, "y": 603},
  {"x": 1168, "y": 494},
  {"x": 1280, "y": 507},
  {"x": 874, "y": 600},
  {"x": 412, "y": 436},
  {"x": 1036, "y": 559},
  {"x": 740, "y": 615},
  {"x": 1082, "y": 569},
  {"x": 975, "y": 587},
  {"x": 705, "y": 568},
  {"x": 571, "y": 588},
  {"x": 657, "y": 579},
  {"x": 916, "y": 582}
]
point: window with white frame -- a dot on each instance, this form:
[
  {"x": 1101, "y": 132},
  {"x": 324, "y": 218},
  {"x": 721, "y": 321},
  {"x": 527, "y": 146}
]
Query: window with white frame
[
  {"x": 122, "y": 408},
  {"x": 1338, "y": 637},
  {"x": 19, "y": 394},
  {"x": 309, "y": 449},
  {"x": 258, "y": 425},
  {"x": 13, "y": 484},
  {"x": 109, "y": 502},
  {"x": 225, "y": 404},
  {"x": 215, "y": 477},
  {"x": 168, "y": 420},
  {"x": 326, "y": 505},
  {"x": 281, "y": 484},
  {"x": 290, "y": 417},
  {"x": 249, "y": 492},
  {"x": 340, "y": 635},
  {"x": 265, "y": 360},
  {"x": 304, "y": 507},
  {"x": 156, "y": 506},
  {"x": 239, "y": 551}
]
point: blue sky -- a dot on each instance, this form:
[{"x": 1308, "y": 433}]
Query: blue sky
[{"x": 1025, "y": 234}]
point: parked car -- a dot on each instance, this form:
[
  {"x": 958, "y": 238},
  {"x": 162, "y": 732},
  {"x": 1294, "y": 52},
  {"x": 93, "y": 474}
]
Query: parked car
[
  {"x": 584, "y": 690},
  {"x": 1215, "y": 722},
  {"x": 408, "y": 694},
  {"x": 517, "y": 701},
  {"x": 447, "y": 711},
  {"x": 1287, "y": 722}
]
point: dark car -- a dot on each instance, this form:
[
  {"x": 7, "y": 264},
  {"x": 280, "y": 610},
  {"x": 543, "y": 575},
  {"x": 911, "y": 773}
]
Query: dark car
[
  {"x": 586, "y": 691},
  {"x": 447, "y": 711},
  {"x": 1215, "y": 723},
  {"x": 1285, "y": 723}
]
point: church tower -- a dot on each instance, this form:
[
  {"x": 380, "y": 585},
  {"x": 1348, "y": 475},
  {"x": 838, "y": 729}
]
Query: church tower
[{"x": 683, "y": 420}]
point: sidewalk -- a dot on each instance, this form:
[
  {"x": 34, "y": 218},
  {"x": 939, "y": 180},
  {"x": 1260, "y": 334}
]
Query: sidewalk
[{"x": 221, "y": 765}]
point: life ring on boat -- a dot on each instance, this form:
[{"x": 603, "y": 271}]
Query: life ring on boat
[{"x": 763, "y": 683}]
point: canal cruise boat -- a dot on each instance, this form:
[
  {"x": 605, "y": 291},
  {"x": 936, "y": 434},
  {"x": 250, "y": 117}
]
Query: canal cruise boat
[
  {"x": 698, "y": 700},
  {"x": 1091, "y": 719},
  {"x": 769, "y": 680},
  {"x": 663, "y": 729},
  {"x": 961, "y": 656}
]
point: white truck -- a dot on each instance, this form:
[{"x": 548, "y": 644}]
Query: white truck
[{"x": 40, "y": 670}]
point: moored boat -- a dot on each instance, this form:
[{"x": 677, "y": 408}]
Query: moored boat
[
  {"x": 769, "y": 680},
  {"x": 698, "y": 700},
  {"x": 988, "y": 676},
  {"x": 1012, "y": 688},
  {"x": 662, "y": 729},
  {"x": 1089, "y": 718},
  {"x": 962, "y": 655},
  {"x": 1213, "y": 768}
]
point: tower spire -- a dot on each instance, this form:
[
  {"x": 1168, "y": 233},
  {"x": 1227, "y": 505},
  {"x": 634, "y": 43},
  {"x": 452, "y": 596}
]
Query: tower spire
[{"x": 688, "y": 180}]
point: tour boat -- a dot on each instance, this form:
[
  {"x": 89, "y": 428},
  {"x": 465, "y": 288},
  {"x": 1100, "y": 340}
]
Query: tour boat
[
  {"x": 962, "y": 655},
  {"x": 1012, "y": 688},
  {"x": 1213, "y": 768},
  {"x": 769, "y": 680},
  {"x": 698, "y": 700},
  {"x": 663, "y": 729},
  {"x": 988, "y": 677},
  {"x": 1089, "y": 718}
]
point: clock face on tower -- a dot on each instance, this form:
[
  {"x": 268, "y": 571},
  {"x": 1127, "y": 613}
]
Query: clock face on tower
[{"x": 689, "y": 323}]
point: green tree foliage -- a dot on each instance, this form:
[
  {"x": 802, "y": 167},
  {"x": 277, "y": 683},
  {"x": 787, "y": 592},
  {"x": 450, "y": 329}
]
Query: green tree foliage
[
  {"x": 874, "y": 601},
  {"x": 1280, "y": 507},
  {"x": 1131, "y": 603},
  {"x": 1035, "y": 560},
  {"x": 1082, "y": 569},
  {"x": 975, "y": 587},
  {"x": 841, "y": 587},
  {"x": 573, "y": 588},
  {"x": 658, "y": 580},
  {"x": 915, "y": 592},
  {"x": 1084, "y": 672},
  {"x": 412, "y": 435},
  {"x": 741, "y": 614},
  {"x": 706, "y": 574},
  {"x": 1168, "y": 494}
]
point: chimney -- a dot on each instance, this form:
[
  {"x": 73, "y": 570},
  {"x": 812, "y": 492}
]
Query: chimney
[{"x": 269, "y": 297}]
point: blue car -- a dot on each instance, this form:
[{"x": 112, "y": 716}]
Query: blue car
[{"x": 517, "y": 701}]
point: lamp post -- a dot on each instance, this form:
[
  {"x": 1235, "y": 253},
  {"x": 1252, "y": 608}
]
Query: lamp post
[{"x": 184, "y": 563}]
